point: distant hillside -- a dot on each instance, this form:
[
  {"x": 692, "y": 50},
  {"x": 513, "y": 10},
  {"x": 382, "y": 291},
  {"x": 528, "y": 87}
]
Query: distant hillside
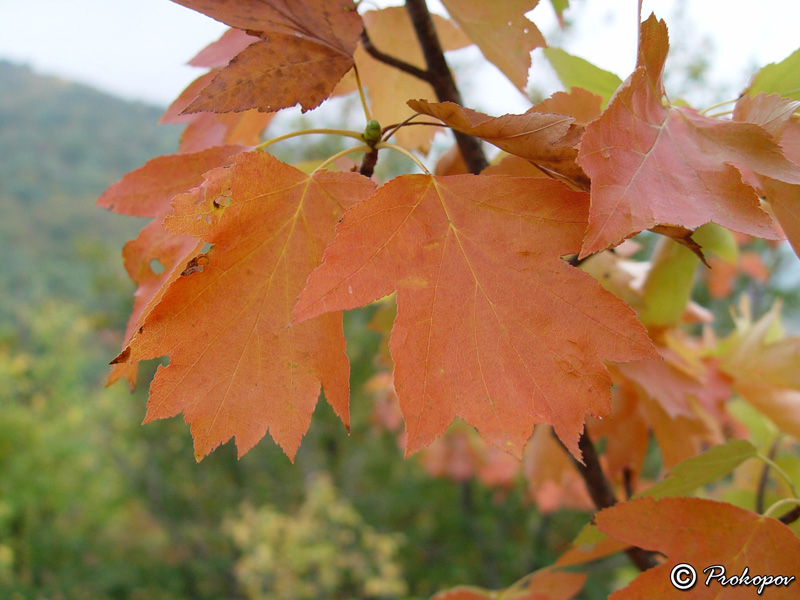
[{"x": 61, "y": 145}]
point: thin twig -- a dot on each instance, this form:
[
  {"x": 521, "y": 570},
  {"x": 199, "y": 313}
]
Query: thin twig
[
  {"x": 368, "y": 163},
  {"x": 790, "y": 516},
  {"x": 390, "y": 60}
]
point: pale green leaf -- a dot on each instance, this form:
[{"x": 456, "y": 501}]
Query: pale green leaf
[
  {"x": 779, "y": 78},
  {"x": 697, "y": 471},
  {"x": 577, "y": 72}
]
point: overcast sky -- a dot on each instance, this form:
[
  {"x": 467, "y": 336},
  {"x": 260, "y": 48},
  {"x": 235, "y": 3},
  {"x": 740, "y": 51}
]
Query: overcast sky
[{"x": 137, "y": 48}]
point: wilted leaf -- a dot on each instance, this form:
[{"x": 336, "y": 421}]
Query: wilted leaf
[
  {"x": 306, "y": 48},
  {"x": 545, "y": 139}
]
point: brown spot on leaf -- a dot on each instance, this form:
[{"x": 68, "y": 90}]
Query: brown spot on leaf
[
  {"x": 122, "y": 356},
  {"x": 195, "y": 265}
]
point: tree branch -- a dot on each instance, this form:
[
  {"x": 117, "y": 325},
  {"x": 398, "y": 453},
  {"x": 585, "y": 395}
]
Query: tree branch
[
  {"x": 391, "y": 60},
  {"x": 791, "y": 516},
  {"x": 441, "y": 79},
  {"x": 602, "y": 494}
]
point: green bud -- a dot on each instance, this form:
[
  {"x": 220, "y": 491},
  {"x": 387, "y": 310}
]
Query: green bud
[{"x": 372, "y": 132}]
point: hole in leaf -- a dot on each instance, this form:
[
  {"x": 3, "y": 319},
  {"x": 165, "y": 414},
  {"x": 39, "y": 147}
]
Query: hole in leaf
[
  {"x": 207, "y": 248},
  {"x": 156, "y": 266},
  {"x": 224, "y": 199}
]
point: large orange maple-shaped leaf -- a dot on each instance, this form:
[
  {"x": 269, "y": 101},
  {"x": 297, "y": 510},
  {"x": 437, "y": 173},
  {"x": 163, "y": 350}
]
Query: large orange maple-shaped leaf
[
  {"x": 703, "y": 533},
  {"x": 652, "y": 163},
  {"x": 492, "y": 325},
  {"x": 235, "y": 368},
  {"x": 307, "y": 47}
]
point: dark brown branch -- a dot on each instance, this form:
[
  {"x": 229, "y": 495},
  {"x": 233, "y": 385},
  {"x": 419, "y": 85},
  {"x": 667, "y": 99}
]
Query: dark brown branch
[
  {"x": 602, "y": 494},
  {"x": 368, "y": 164},
  {"x": 791, "y": 516},
  {"x": 441, "y": 79},
  {"x": 390, "y": 60}
]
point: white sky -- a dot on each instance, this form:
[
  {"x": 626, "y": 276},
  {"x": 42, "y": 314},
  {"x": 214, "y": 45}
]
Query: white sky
[{"x": 137, "y": 48}]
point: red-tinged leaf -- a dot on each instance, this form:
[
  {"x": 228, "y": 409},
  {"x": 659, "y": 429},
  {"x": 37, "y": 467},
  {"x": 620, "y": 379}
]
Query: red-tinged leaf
[
  {"x": 306, "y": 48},
  {"x": 626, "y": 433},
  {"x": 324, "y": 21},
  {"x": 151, "y": 260},
  {"x": 653, "y": 164},
  {"x": 218, "y": 54},
  {"x": 682, "y": 437},
  {"x": 580, "y": 104},
  {"x": 502, "y": 32},
  {"x": 702, "y": 533},
  {"x": 147, "y": 191},
  {"x": 391, "y": 31},
  {"x": 275, "y": 74},
  {"x": 514, "y": 166},
  {"x": 206, "y": 130},
  {"x": 784, "y": 198},
  {"x": 772, "y": 112},
  {"x": 544, "y": 584},
  {"x": 155, "y": 253},
  {"x": 675, "y": 385},
  {"x": 236, "y": 369},
  {"x": 545, "y": 139},
  {"x": 491, "y": 326},
  {"x": 553, "y": 481},
  {"x": 451, "y": 162}
]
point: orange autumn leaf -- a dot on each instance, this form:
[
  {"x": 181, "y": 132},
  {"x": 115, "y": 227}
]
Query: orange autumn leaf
[
  {"x": 553, "y": 481},
  {"x": 207, "y": 129},
  {"x": 702, "y": 533},
  {"x": 502, "y": 32},
  {"x": 626, "y": 433},
  {"x": 656, "y": 164},
  {"x": 545, "y": 139},
  {"x": 580, "y": 104},
  {"x": 236, "y": 369},
  {"x": 492, "y": 325},
  {"x": 219, "y": 53},
  {"x": 306, "y": 48},
  {"x": 155, "y": 253},
  {"x": 148, "y": 190}
]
